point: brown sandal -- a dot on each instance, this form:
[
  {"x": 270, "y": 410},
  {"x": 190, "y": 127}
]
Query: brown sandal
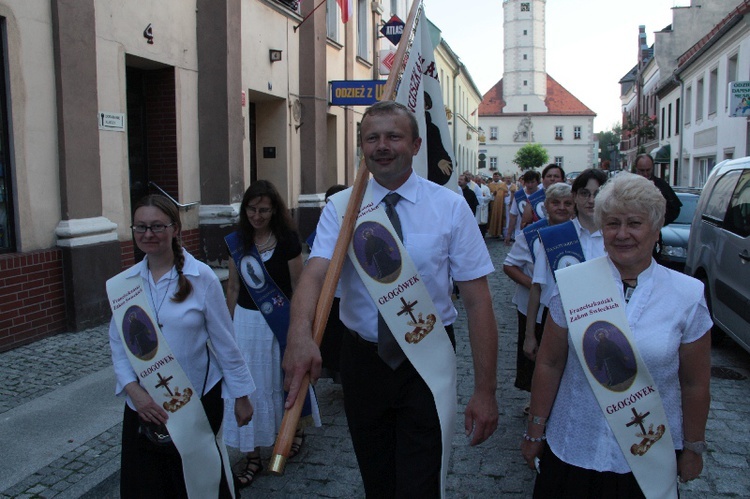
[
  {"x": 252, "y": 468},
  {"x": 299, "y": 439}
]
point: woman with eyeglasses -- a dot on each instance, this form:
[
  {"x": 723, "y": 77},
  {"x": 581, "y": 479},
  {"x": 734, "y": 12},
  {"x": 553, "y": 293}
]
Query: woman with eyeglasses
[
  {"x": 187, "y": 302},
  {"x": 264, "y": 267}
]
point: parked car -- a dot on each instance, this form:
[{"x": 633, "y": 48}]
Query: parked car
[
  {"x": 719, "y": 248},
  {"x": 675, "y": 235}
]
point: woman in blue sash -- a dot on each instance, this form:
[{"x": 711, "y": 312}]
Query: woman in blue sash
[
  {"x": 667, "y": 316},
  {"x": 265, "y": 265},
  {"x": 188, "y": 304}
]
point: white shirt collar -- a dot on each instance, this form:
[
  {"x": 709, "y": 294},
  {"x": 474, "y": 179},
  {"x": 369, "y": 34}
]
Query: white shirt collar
[
  {"x": 583, "y": 230},
  {"x": 189, "y": 268},
  {"x": 408, "y": 190}
]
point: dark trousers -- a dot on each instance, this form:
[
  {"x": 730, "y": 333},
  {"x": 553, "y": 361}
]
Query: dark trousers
[
  {"x": 525, "y": 366},
  {"x": 148, "y": 471},
  {"x": 560, "y": 480},
  {"x": 393, "y": 423}
]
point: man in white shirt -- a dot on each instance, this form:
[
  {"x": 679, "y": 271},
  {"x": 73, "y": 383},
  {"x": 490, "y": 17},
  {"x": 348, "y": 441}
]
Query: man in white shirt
[{"x": 391, "y": 413}]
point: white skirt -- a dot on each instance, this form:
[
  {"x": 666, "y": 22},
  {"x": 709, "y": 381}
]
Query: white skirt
[{"x": 260, "y": 349}]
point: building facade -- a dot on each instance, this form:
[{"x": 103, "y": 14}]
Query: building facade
[
  {"x": 103, "y": 101},
  {"x": 659, "y": 103},
  {"x": 697, "y": 125},
  {"x": 528, "y": 105}
]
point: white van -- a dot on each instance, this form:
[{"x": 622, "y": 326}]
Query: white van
[{"x": 719, "y": 248}]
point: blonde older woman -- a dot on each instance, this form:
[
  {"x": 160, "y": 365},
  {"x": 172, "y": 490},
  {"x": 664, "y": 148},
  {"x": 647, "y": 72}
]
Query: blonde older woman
[{"x": 670, "y": 325}]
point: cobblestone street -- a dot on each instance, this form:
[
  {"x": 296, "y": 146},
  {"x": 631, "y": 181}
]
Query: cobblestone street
[{"x": 57, "y": 458}]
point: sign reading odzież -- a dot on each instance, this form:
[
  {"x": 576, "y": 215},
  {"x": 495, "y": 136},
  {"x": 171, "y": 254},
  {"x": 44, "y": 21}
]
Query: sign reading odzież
[
  {"x": 739, "y": 99},
  {"x": 356, "y": 92}
]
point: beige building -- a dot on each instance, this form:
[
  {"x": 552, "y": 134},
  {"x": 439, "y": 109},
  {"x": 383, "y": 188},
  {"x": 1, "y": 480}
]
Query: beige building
[
  {"x": 105, "y": 101},
  {"x": 102, "y": 101},
  {"x": 461, "y": 98}
]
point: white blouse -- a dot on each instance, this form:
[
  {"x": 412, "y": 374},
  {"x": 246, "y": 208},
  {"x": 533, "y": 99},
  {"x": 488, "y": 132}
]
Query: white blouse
[
  {"x": 187, "y": 326},
  {"x": 667, "y": 309}
]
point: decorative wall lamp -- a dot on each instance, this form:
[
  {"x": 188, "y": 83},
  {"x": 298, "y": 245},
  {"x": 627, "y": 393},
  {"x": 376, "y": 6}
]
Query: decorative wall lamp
[{"x": 274, "y": 55}]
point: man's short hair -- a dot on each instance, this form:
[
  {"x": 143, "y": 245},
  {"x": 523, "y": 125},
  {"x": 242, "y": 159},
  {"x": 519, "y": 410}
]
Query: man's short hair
[
  {"x": 641, "y": 156},
  {"x": 551, "y": 166},
  {"x": 531, "y": 175},
  {"x": 392, "y": 107}
]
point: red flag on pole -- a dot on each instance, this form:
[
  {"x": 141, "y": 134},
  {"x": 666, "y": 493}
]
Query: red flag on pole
[{"x": 346, "y": 9}]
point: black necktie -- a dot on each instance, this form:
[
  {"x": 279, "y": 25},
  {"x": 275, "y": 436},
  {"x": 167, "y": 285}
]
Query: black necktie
[{"x": 388, "y": 348}]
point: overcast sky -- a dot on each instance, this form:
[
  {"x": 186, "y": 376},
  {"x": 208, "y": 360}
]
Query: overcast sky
[{"x": 591, "y": 44}]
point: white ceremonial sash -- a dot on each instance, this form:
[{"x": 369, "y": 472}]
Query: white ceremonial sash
[
  {"x": 203, "y": 453},
  {"x": 392, "y": 279},
  {"x": 626, "y": 392}
]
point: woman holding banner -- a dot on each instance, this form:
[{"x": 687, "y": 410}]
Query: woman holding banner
[
  {"x": 663, "y": 334},
  {"x": 265, "y": 265},
  {"x": 160, "y": 425}
]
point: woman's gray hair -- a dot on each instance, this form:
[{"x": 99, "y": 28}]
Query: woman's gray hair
[
  {"x": 630, "y": 193},
  {"x": 558, "y": 190}
]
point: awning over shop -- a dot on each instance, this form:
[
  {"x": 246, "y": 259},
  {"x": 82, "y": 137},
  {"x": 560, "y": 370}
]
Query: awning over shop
[{"x": 662, "y": 154}]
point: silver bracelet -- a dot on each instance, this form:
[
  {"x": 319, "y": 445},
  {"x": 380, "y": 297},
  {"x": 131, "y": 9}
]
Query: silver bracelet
[
  {"x": 538, "y": 420},
  {"x": 532, "y": 439}
]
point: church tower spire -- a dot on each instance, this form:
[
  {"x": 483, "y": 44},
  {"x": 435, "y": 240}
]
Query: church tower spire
[{"x": 524, "y": 71}]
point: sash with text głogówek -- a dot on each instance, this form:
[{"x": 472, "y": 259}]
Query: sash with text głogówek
[
  {"x": 203, "y": 453},
  {"x": 392, "y": 280},
  {"x": 626, "y": 392}
]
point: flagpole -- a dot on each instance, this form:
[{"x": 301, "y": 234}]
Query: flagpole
[
  {"x": 291, "y": 416},
  {"x": 308, "y": 15}
]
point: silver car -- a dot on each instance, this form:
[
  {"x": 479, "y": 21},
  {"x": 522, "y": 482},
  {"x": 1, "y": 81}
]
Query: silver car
[
  {"x": 675, "y": 236},
  {"x": 719, "y": 248}
]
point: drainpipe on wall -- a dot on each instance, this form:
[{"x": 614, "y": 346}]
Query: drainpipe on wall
[
  {"x": 377, "y": 11},
  {"x": 678, "y": 81},
  {"x": 455, "y": 116}
]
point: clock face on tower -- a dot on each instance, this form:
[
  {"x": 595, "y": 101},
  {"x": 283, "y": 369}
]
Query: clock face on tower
[{"x": 525, "y": 7}]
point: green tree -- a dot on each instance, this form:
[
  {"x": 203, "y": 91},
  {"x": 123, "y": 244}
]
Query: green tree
[
  {"x": 609, "y": 138},
  {"x": 530, "y": 156}
]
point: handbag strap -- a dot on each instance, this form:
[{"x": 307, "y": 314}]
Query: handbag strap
[{"x": 208, "y": 366}]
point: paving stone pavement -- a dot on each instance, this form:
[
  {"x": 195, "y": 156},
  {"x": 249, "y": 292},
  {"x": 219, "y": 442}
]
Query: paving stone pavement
[{"x": 326, "y": 466}]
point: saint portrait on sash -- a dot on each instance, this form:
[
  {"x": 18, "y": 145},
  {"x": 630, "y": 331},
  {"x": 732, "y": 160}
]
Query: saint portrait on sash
[
  {"x": 377, "y": 252},
  {"x": 252, "y": 273},
  {"x": 609, "y": 356},
  {"x": 140, "y": 333}
]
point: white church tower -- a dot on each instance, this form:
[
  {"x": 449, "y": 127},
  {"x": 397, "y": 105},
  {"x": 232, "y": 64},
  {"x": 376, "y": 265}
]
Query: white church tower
[
  {"x": 528, "y": 105},
  {"x": 525, "y": 72}
]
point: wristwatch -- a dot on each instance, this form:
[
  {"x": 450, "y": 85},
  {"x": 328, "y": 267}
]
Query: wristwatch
[{"x": 697, "y": 447}]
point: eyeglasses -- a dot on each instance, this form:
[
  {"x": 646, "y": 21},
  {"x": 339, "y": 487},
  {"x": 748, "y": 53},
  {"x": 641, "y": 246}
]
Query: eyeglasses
[
  {"x": 263, "y": 212},
  {"x": 586, "y": 194},
  {"x": 155, "y": 228}
]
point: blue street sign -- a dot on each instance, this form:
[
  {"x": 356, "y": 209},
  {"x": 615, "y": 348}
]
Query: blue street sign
[{"x": 356, "y": 92}]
